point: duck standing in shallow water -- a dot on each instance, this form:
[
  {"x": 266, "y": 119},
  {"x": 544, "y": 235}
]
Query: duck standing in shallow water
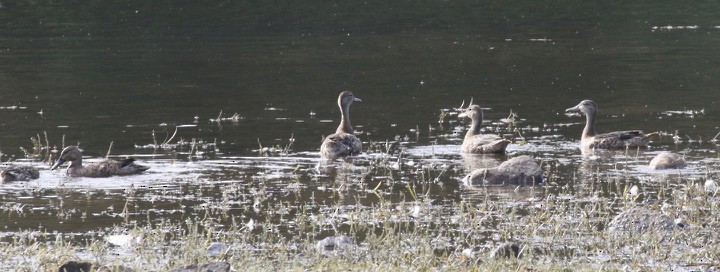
[
  {"x": 343, "y": 142},
  {"x": 19, "y": 173},
  {"x": 611, "y": 140},
  {"x": 104, "y": 168},
  {"x": 476, "y": 142}
]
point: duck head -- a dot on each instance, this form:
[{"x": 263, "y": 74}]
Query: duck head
[
  {"x": 588, "y": 107},
  {"x": 473, "y": 112},
  {"x": 346, "y": 98},
  {"x": 72, "y": 153}
]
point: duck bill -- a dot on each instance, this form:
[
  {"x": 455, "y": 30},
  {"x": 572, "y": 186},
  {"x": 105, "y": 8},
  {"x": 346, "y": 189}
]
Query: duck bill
[
  {"x": 462, "y": 115},
  {"x": 357, "y": 99},
  {"x": 575, "y": 109},
  {"x": 57, "y": 164}
]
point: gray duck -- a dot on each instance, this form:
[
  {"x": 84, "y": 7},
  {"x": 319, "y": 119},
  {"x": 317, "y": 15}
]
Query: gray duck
[
  {"x": 342, "y": 143},
  {"x": 19, "y": 173},
  {"x": 612, "y": 140},
  {"x": 105, "y": 168},
  {"x": 521, "y": 170},
  {"x": 477, "y": 143}
]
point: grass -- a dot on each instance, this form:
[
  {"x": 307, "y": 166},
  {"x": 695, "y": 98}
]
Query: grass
[
  {"x": 400, "y": 213},
  {"x": 562, "y": 231}
]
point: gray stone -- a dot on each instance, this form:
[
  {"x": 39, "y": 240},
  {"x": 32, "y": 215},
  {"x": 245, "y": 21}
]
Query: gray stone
[{"x": 521, "y": 170}]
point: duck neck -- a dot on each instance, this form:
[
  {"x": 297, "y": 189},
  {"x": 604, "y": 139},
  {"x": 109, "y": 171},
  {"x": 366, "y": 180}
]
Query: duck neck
[
  {"x": 345, "y": 126},
  {"x": 589, "y": 130},
  {"x": 75, "y": 168},
  {"x": 475, "y": 127}
]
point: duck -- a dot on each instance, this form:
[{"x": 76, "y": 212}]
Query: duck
[
  {"x": 667, "y": 160},
  {"x": 611, "y": 140},
  {"x": 521, "y": 170},
  {"x": 105, "y": 168},
  {"x": 477, "y": 143},
  {"x": 19, "y": 173},
  {"x": 342, "y": 143}
]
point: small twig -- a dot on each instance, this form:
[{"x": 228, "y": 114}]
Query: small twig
[
  {"x": 154, "y": 140},
  {"x": 109, "y": 149},
  {"x": 47, "y": 145},
  {"x": 192, "y": 148},
  {"x": 714, "y": 139},
  {"x": 171, "y": 137}
]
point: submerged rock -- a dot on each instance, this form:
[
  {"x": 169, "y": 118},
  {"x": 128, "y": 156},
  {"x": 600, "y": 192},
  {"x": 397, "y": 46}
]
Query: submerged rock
[
  {"x": 639, "y": 220},
  {"x": 710, "y": 186},
  {"x": 506, "y": 250},
  {"x": 216, "y": 249},
  {"x": 114, "y": 268},
  {"x": 73, "y": 266},
  {"x": 207, "y": 267},
  {"x": 522, "y": 170},
  {"x": 333, "y": 243},
  {"x": 667, "y": 160},
  {"x": 19, "y": 173}
]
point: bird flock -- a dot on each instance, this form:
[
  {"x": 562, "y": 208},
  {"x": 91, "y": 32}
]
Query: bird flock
[
  {"x": 521, "y": 170},
  {"x": 343, "y": 143}
]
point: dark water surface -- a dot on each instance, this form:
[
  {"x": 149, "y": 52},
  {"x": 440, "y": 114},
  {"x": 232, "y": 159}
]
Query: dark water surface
[{"x": 119, "y": 71}]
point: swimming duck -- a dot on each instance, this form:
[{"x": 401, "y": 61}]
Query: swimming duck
[
  {"x": 611, "y": 140},
  {"x": 343, "y": 142},
  {"x": 19, "y": 173},
  {"x": 667, "y": 160},
  {"x": 475, "y": 141},
  {"x": 104, "y": 168},
  {"x": 521, "y": 170}
]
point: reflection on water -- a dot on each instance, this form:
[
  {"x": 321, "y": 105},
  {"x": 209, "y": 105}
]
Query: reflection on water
[{"x": 228, "y": 105}]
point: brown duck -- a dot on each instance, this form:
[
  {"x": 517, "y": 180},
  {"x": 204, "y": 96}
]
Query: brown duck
[
  {"x": 19, "y": 173},
  {"x": 343, "y": 143},
  {"x": 104, "y": 168},
  {"x": 611, "y": 140},
  {"x": 476, "y": 142}
]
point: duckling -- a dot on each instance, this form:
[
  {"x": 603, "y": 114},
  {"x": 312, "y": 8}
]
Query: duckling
[
  {"x": 105, "y": 168},
  {"x": 476, "y": 142},
  {"x": 19, "y": 173},
  {"x": 521, "y": 170},
  {"x": 343, "y": 143},
  {"x": 667, "y": 160},
  {"x": 611, "y": 140}
]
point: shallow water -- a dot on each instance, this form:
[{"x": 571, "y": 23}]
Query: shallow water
[{"x": 161, "y": 82}]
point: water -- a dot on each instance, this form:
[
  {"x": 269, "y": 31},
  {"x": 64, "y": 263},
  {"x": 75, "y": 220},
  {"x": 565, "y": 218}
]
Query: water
[{"x": 135, "y": 73}]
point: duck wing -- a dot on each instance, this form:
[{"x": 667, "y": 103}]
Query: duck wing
[
  {"x": 109, "y": 168},
  {"x": 622, "y": 139},
  {"x": 339, "y": 145},
  {"x": 485, "y": 143}
]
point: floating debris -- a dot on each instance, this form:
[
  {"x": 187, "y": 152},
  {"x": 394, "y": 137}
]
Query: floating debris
[
  {"x": 234, "y": 118},
  {"x": 687, "y": 113},
  {"x": 670, "y": 27},
  {"x": 13, "y": 108}
]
